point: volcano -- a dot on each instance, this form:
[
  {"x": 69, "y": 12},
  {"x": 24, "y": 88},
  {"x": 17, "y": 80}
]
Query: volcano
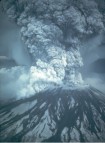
[{"x": 55, "y": 115}]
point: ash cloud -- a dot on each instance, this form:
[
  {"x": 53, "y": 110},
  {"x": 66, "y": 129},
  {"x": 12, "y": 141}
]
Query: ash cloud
[{"x": 53, "y": 32}]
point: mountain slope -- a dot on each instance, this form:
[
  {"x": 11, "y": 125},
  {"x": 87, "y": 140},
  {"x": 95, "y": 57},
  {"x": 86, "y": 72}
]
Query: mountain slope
[{"x": 55, "y": 115}]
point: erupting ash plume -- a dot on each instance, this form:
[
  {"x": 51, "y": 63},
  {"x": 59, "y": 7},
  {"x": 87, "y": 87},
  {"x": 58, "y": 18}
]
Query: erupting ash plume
[{"x": 52, "y": 32}]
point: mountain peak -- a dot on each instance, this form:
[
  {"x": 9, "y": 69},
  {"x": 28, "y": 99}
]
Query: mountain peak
[{"x": 55, "y": 115}]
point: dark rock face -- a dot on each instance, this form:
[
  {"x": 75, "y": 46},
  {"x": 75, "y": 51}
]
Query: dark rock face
[
  {"x": 7, "y": 63},
  {"x": 55, "y": 115}
]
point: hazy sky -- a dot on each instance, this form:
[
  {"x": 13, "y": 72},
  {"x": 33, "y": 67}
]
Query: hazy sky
[
  {"x": 11, "y": 44},
  {"x": 93, "y": 53}
]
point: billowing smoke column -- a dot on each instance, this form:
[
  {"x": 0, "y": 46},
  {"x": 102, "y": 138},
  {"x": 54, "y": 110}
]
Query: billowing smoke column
[{"x": 52, "y": 31}]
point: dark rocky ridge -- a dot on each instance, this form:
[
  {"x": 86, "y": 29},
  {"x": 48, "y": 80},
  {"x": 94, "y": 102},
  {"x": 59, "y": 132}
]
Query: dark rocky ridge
[
  {"x": 55, "y": 115},
  {"x": 8, "y": 63}
]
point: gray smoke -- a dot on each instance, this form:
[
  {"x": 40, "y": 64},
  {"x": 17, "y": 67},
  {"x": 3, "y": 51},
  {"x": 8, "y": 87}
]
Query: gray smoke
[{"x": 60, "y": 35}]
